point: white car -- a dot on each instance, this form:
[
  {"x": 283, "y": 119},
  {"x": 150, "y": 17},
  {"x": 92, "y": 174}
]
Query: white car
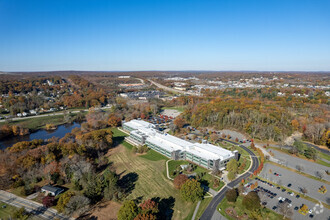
[
  {"x": 310, "y": 211},
  {"x": 290, "y": 205},
  {"x": 279, "y": 198},
  {"x": 292, "y": 194}
]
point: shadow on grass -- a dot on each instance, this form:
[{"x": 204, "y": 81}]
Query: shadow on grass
[
  {"x": 127, "y": 182},
  {"x": 165, "y": 206},
  {"x": 118, "y": 140}
]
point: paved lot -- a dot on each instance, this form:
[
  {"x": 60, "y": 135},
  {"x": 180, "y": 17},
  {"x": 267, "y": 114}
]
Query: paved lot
[
  {"x": 297, "y": 181},
  {"x": 309, "y": 167},
  {"x": 323, "y": 213}
]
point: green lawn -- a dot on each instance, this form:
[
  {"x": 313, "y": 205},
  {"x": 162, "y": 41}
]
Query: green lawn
[
  {"x": 205, "y": 202},
  {"x": 240, "y": 210},
  {"x": 153, "y": 156},
  {"x": 178, "y": 108},
  {"x": 150, "y": 181},
  {"x": 6, "y": 213}
]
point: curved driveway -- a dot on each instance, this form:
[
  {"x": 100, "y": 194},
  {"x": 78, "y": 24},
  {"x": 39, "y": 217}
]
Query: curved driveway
[{"x": 211, "y": 208}]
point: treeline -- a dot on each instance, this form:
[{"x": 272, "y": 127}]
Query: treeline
[
  {"x": 262, "y": 120},
  {"x": 26, "y": 85}
]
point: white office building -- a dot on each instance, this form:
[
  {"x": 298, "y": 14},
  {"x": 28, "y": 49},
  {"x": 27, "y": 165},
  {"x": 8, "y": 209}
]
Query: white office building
[{"x": 206, "y": 155}]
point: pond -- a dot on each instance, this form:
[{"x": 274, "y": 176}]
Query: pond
[{"x": 40, "y": 134}]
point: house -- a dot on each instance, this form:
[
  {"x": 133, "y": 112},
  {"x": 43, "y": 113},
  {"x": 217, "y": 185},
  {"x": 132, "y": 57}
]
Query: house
[{"x": 51, "y": 190}]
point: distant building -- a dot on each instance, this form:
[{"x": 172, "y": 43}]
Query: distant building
[
  {"x": 51, "y": 190},
  {"x": 205, "y": 155}
]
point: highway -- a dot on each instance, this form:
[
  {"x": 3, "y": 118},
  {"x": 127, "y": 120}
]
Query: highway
[
  {"x": 46, "y": 115},
  {"x": 209, "y": 211},
  {"x": 171, "y": 89},
  {"x": 33, "y": 207}
]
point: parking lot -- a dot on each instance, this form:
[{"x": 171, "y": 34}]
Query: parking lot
[
  {"x": 309, "y": 167},
  {"x": 270, "y": 197},
  {"x": 298, "y": 182}
]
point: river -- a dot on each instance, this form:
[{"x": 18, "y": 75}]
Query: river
[{"x": 40, "y": 134}]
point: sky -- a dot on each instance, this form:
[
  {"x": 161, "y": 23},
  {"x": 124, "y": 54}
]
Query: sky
[{"x": 121, "y": 35}]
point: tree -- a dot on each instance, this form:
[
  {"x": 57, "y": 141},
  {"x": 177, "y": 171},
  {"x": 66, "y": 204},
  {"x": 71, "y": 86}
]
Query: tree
[
  {"x": 77, "y": 204},
  {"x": 114, "y": 121},
  {"x": 300, "y": 168},
  {"x": 285, "y": 210},
  {"x": 232, "y": 195},
  {"x": 319, "y": 174},
  {"x": 48, "y": 201},
  {"x": 191, "y": 190},
  {"x": 128, "y": 211},
  {"x": 251, "y": 201},
  {"x": 231, "y": 176},
  {"x": 63, "y": 200},
  {"x": 304, "y": 190},
  {"x": 21, "y": 214},
  {"x": 179, "y": 180},
  {"x": 179, "y": 122},
  {"x": 232, "y": 166},
  {"x": 149, "y": 207}
]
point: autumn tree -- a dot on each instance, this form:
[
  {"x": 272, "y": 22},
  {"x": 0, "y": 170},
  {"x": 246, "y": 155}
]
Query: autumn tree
[
  {"x": 191, "y": 190},
  {"x": 48, "y": 201},
  {"x": 63, "y": 200},
  {"x": 232, "y": 166},
  {"x": 179, "y": 122},
  {"x": 231, "y": 195},
  {"x": 128, "y": 211},
  {"x": 149, "y": 207},
  {"x": 251, "y": 201},
  {"x": 179, "y": 180},
  {"x": 114, "y": 120}
]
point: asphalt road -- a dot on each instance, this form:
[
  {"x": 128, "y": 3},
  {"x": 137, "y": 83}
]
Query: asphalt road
[
  {"x": 46, "y": 115},
  {"x": 35, "y": 208},
  {"x": 211, "y": 208}
]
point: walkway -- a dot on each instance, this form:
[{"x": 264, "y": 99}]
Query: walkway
[
  {"x": 35, "y": 208},
  {"x": 196, "y": 210}
]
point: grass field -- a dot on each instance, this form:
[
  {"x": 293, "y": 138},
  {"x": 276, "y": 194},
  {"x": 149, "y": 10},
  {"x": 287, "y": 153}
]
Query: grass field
[
  {"x": 6, "y": 213},
  {"x": 178, "y": 108},
  {"x": 265, "y": 213},
  {"x": 148, "y": 179}
]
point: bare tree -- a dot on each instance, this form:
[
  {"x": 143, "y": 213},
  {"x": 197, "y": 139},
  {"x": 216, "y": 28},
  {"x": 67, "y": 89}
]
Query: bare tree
[
  {"x": 300, "y": 168},
  {"x": 285, "y": 210},
  {"x": 77, "y": 204},
  {"x": 303, "y": 190},
  {"x": 319, "y": 174}
]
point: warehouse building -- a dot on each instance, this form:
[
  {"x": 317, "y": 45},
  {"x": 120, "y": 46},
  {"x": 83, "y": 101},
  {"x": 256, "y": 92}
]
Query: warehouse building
[{"x": 205, "y": 155}]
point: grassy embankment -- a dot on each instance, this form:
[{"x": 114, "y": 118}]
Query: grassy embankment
[
  {"x": 149, "y": 170},
  {"x": 7, "y": 213},
  {"x": 240, "y": 210}
]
